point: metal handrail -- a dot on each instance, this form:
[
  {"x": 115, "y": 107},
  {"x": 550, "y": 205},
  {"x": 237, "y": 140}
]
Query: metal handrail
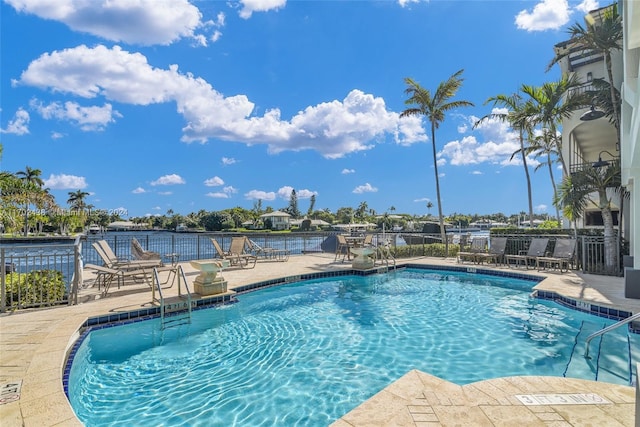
[
  {"x": 156, "y": 284},
  {"x": 607, "y": 329},
  {"x": 181, "y": 277}
]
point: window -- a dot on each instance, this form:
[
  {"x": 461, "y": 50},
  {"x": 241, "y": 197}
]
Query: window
[{"x": 594, "y": 218}]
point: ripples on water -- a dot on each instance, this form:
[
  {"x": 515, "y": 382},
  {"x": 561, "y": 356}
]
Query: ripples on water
[{"x": 307, "y": 353}]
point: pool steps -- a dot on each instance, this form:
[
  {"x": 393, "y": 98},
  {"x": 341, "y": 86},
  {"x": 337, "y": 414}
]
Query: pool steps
[{"x": 601, "y": 366}]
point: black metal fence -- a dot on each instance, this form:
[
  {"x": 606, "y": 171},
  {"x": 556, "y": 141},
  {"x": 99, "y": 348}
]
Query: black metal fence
[{"x": 41, "y": 275}]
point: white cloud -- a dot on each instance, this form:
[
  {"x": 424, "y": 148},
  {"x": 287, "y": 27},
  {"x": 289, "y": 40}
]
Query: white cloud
[
  {"x": 306, "y": 194},
  {"x": 285, "y": 192},
  {"x": 214, "y": 182},
  {"x": 347, "y": 171},
  {"x": 87, "y": 118},
  {"x": 333, "y": 129},
  {"x": 165, "y": 193},
  {"x": 228, "y": 161},
  {"x": 367, "y": 188},
  {"x": 404, "y": 3},
  {"x": 57, "y": 135},
  {"x": 218, "y": 195},
  {"x": 20, "y": 123},
  {"x": 422, "y": 199},
  {"x": 138, "y": 190},
  {"x": 215, "y": 36},
  {"x": 546, "y": 15},
  {"x": 250, "y": 6},
  {"x": 260, "y": 195},
  {"x": 224, "y": 194},
  {"x": 65, "y": 182},
  {"x": 541, "y": 208},
  {"x": 587, "y": 6},
  {"x": 501, "y": 143},
  {"x": 145, "y": 22},
  {"x": 169, "y": 180},
  {"x": 477, "y": 173}
]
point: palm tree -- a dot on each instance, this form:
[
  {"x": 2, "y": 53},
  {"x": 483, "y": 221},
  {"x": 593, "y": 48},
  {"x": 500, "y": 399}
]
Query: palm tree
[
  {"x": 546, "y": 144},
  {"x": 434, "y": 109},
  {"x": 552, "y": 102},
  {"x": 76, "y": 200},
  {"x": 575, "y": 193},
  {"x": 517, "y": 116},
  {"x": 32, "y": 181},
  {"x": 603, "y": 38}
]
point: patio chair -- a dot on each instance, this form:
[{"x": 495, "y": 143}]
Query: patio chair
[
  {"x": 236, "y": 255},
  {"x": 562, "y": 256},
  {"x": 478, "y": 246},
  {"x": 497, "y": 246},
  {"x": 342, "y": 247},
  {"x": 140, "y": 253},
  {"x": 266, "y": 252},
  {"x": 537, "y": 248}
]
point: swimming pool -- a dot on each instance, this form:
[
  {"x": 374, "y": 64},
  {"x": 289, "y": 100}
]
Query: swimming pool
[{"x": 309, "y": 352}]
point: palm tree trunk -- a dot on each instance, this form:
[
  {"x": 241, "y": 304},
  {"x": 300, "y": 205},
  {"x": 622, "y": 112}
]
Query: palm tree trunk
[
  {"x": 614, "y": 97},
  {"x": 553, "y": 183},
  {"x": 526, "y": 171},
  {"x": 26, "y": 218},
  {"x": 435, "y": 168},
  {"x": 609, "y": 237}
]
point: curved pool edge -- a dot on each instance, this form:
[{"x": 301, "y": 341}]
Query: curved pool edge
[{"x": 39, "y": 342}]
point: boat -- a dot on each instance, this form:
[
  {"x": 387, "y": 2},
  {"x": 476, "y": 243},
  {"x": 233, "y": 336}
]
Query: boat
[
  {"x": 94, "y": 229},
  {"x": 181, "y": 228}
]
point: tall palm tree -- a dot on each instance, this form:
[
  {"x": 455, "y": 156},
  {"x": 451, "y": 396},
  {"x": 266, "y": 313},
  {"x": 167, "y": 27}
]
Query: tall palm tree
[
  {"x": 76, "y": 199},
  {"x": 552, "y": 102},
  {"x": 603, "y": 37},
  {"x": 575, "y": 193},
  {"x": 546, "y": 145},
  {"x": 434, "y": 107},
  {"x": 33, "y": 182},
  {"x": 517, "y": 115}
]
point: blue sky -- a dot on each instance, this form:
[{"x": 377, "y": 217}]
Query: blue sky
[{"x": 152, "y": 105}]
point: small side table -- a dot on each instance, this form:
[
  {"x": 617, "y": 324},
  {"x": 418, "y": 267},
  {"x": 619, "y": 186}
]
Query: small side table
[{"x": 173, "y": 257}]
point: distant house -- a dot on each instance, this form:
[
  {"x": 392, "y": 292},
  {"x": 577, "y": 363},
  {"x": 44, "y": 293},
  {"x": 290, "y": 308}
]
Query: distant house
[
  {"x": 125, "y": 226},
  {"x": 279, "y": 220}
]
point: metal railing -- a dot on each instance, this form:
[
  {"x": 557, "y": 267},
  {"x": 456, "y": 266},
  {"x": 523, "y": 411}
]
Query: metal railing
[
  {"x": 608, "y": 329},
  {"x": 39, "y": 275},
  {"x": 43, "y": 275}
]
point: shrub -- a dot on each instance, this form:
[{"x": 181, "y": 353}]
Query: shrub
[{"x": 36, "y": 288}]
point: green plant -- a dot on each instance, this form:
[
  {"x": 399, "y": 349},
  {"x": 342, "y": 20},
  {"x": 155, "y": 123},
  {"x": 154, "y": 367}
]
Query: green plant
[{"x": 38, "y": 287}]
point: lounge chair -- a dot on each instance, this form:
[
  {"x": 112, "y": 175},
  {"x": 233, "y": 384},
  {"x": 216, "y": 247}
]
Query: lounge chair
[
  {"x": 562, "y": 255},
  {"x": 140, "y": 253},
  {"x": 110, "y": 259},
  {"x": 105, "y": 276},
  {"x": 478, "y": 246},
  {"x": 236, "y": 255},
  {"x": 537, "y": 248},
  {"x": 267, "y": 253},
  {"x": 497, "y": 246}
]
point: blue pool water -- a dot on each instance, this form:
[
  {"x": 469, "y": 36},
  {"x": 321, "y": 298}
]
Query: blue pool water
[{"x": 307, "y": 353}]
